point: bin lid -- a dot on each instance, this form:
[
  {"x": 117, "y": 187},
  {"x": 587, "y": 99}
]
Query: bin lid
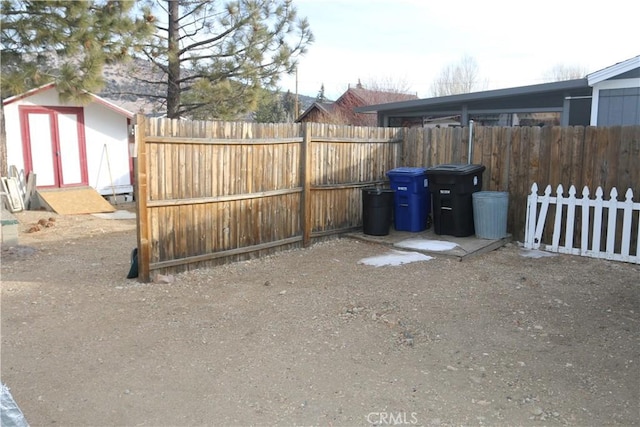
[
  {"x": 407, "y": 171},
  {"x": 455, "y": 169}
]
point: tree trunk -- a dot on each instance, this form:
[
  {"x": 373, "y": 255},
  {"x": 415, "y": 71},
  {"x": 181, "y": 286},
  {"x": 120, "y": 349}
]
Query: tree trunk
[
  {"x": 4, "y": 169},
  {"x": 173, "y": 89}
]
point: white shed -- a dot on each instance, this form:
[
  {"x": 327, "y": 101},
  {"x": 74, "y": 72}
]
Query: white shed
[{"x": 69, "y": 145}]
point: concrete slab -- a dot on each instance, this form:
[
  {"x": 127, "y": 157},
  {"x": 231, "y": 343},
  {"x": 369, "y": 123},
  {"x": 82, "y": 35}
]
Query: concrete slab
[
  {"x": 119, "y": 214},
  {"x": 430, "y": 243},
  {"x": 9, "y": 229}
]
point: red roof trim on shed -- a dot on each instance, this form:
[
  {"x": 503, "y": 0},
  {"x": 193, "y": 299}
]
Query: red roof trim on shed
[
  {"x": 48, "y": 86},
  {"x": 28, "y": 93}
]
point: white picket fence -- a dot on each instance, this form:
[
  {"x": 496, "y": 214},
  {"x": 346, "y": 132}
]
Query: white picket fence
[{"x": 590, "y": 212}]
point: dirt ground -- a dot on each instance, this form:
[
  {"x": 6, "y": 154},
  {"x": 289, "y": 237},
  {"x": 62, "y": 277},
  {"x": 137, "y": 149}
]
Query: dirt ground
[{"x": 313, "y": 337}]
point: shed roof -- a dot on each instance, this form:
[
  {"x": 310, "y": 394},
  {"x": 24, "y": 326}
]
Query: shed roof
[{"x": 52, "y": 85}]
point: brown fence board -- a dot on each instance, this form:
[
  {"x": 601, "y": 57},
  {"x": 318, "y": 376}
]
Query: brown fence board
[
  {"x": 588, "y": 157},
  {"x": 626, "y": 163},
  {"x": 555, "y": 157},
  {"x": 499, "y": 161},
  {"x": 613, "y": 153},
  {"x": 477, "y": 144},
  {"x": 573, "y": 155},
  {"x": 544, "y": 168},
  {"x": 514, "y": 176}
]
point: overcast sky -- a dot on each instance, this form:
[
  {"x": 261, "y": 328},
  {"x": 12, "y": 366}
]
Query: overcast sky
[{"x": 411, "y": 41}]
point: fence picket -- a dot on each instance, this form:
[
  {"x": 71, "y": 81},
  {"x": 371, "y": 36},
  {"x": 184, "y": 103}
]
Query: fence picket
[
  {"x": 584, "y": 232},
  {"x": 611, "y": 222},
  {"x": 530, "y": 224},
  {"x": 597, "y": 221},
  {"x": 535, "y": 225},
  {"x": 544, "y": 207},
  {"x": 571, "y": 214},
  {"x": 558, "y": 219},
  {"x": 637, "y": 240},
  {"x": 626, "y": 223}
]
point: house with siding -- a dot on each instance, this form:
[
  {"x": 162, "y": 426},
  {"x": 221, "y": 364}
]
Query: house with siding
[{"x": 607, "y": 97}]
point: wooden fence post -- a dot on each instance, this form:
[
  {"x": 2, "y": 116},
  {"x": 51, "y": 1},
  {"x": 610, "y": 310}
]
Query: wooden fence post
[
  {"x": 305, "y": 166},
  {"x": 142, "y": 195}
]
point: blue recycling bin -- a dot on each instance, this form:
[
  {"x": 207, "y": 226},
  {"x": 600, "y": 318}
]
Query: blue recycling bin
[{"x": 412, "y": 200}]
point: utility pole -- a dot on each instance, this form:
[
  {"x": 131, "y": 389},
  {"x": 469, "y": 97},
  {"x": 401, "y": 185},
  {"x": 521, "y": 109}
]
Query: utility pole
[{"x": 296, "y": 108}]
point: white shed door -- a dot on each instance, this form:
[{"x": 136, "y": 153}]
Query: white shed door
[
  {"x": 54, "y": 145},
  {"x": 41, "y": 146},
  {"x": 69, "y": 149}
]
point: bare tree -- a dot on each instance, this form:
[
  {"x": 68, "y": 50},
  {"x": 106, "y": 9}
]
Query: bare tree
[
  {"x": 462, "y": 77},
  {"x": 561, "y": 72},
  {"x": 389, "y": 84}
]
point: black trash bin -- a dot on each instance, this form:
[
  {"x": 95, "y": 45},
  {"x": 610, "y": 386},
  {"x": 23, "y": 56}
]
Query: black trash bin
[
  {"x": 452, "y": 187},
  {"x": 377, "y": 206}
]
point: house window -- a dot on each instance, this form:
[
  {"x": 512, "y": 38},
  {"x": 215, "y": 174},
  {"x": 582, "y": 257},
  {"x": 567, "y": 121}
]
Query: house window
[
  {"x": 406, "y": 122},
  {"x": 516, "y": 119}
]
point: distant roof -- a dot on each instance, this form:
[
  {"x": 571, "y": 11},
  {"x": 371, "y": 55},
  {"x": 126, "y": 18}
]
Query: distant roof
[
  {"x": 49, "y": 86},
  {"x": 325, "y": 107},
  {"x": 369, "y": 96},
  {"x": 366, "y": 97},
  {"x": 538, "y": 89}
]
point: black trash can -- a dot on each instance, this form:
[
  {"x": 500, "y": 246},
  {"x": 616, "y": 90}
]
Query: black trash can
[
  {"x": 377, "y": 207},
  {"x": 452, "y": 187}
]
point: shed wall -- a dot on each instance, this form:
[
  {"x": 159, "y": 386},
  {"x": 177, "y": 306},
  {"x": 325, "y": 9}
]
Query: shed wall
[{"x": 107, "y": 150}]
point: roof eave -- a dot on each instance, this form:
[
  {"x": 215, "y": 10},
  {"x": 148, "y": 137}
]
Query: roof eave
[
  {"x": 473, "y": 96},
  {"x": 614, "y": 70},
  {"x": 308, "y": 111},
  {"x": 52, "y": 85},
  {"x": 28, "y": 93},
  {"x": 112, "y": 106}
]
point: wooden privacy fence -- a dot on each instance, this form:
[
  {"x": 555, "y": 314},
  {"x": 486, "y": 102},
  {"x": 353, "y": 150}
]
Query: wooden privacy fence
[
  {"x": 516, "y": 157},
  {"x": 214, "y": 191},
  {"x": 595, "y": 228},
  {"x": 208, "y": 192}
]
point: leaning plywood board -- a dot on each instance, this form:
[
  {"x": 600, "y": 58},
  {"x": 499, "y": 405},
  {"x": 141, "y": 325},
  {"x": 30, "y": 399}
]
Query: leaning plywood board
[
  {"x": 29, "y": 190},
  {"x": 83, "y": 200},
  {"x": 10, "y": 188}
]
